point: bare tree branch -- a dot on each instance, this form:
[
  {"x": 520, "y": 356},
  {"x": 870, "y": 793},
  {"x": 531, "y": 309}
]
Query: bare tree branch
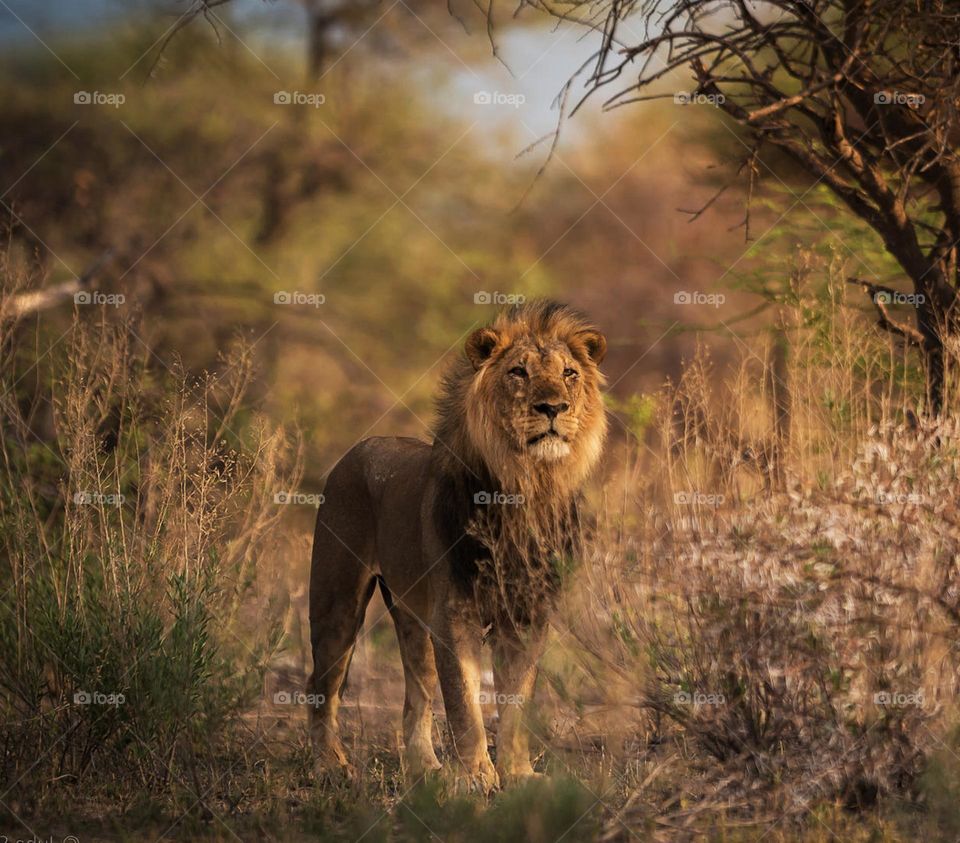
[
  {"x": 879, "y": 297},
  {"x": 23, "y": 304},
  {"x": 861, "y": 94}
]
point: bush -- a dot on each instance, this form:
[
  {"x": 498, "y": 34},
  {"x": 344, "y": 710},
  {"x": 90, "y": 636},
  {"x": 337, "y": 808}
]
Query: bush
[
  {"x": 783, "y": 607},
  {"x": 129, "y": 541}
]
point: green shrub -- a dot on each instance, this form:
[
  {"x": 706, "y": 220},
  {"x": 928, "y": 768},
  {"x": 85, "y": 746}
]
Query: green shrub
[{"x": 126, "y": 659}]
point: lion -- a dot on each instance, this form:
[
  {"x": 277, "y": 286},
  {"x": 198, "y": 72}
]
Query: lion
[{"x": 466, "y": 537}]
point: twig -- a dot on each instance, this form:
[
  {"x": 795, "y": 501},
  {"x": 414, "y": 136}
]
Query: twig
[
  {"x": 913, "y": 337},
  {"x": 24, "y": 304}
]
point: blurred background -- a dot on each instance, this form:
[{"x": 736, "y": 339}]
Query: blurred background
[
  {"x": 236, "y": 242},
  {"x": 379, "y": 165}
]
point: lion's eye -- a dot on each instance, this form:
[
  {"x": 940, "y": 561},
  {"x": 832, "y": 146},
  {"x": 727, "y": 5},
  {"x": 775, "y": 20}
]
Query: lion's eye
[
  {"x": 571, "y": 373},
  {"x": 519, "y": 371}
]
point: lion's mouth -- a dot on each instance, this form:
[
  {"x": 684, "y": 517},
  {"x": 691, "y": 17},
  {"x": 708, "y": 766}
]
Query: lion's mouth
[{"x": 547, "y": 434}]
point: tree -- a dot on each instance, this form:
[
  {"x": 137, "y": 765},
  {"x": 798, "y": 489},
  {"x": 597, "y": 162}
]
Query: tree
[
  {"x": 332, "y": 27},
  {"x": 862, "y": 94},
  {"x": 328, "y": 20}
]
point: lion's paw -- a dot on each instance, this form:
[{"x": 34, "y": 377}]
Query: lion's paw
[
  {"x": 332, "y": 767},
  {"x": 479, "y": 778},
  {"x": 422, "y": 765}
]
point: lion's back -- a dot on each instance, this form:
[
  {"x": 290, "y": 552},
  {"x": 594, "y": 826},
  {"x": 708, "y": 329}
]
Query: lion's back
[
  {"x": 372, "y": 501},
  {"x": 389, "y": 460}
]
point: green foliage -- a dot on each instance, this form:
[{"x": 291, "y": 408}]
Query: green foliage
[
  {"x": 339, "y": 201},
  {"x": 123, "y": 659},
  {"x": 828, "y": 244},
  {"x": 812, "y": 221},
  {"x": 638, "y": 411}
]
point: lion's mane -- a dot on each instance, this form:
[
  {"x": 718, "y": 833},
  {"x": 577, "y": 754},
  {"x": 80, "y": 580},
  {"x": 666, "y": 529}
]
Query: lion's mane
[{"x": 511, "y": 555}]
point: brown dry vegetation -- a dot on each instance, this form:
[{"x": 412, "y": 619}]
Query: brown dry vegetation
[
  {"x": 773, "y": 551},
  {"x": 760, "y": 641}
]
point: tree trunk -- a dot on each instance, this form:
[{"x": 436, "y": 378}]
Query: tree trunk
[{"x": 318, "y": 39}]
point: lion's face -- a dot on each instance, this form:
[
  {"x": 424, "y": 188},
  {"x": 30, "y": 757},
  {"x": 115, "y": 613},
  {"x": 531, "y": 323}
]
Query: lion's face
[
  {"x": 539, "y": 396},
  {"x": 535, "y": 399}
]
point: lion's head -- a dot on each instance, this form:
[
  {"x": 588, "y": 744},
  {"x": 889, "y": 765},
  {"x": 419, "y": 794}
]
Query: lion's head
[{"x": 524, "y": 401}]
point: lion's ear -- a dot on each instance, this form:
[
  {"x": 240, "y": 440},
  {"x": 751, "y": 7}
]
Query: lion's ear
[
  {"x": 480, "y": 345},
  {"x": 595, "y": 343}
]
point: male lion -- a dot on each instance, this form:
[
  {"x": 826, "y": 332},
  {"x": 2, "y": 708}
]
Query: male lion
[{"x": 466, "y": 537}]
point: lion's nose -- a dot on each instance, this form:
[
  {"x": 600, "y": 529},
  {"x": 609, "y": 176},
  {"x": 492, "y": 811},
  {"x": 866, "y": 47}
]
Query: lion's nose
[{"x": 551, "y": 411}]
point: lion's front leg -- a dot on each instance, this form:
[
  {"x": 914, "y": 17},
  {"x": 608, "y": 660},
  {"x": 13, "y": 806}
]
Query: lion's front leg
[
  {"x": 457, "y": 640},
  {"x": 515, "y": 657}
]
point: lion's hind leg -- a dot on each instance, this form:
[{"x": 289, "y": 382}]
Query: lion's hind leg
[{"x": 341, "y": 587}]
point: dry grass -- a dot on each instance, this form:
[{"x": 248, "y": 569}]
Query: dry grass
[
  {"x": 760, "y": 639},
  {"x": 773, "y": 604},
  {"x": 131, "y": 529}
]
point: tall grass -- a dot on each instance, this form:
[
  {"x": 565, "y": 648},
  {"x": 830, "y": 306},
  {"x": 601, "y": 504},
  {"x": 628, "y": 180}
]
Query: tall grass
[
  {"x": 765, "y": 628},
  {"x": 135, "y": 504},
  {"x": 773, "y": 603}
]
